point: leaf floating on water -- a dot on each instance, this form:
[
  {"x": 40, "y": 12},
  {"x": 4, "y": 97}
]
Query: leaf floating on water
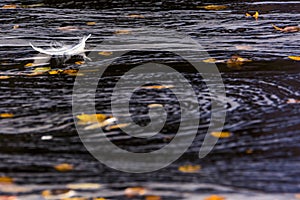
[
  {"x": 190, "y": 168},
  {"x": 41, "y": 69},
  {"x": 215, "y": 197},
  {"x": 8, "y": 198},
  {"x": 29, "y": 65},
  {"x": 210, "y": 60},
  {"x": 297, "y": 58},
  {"x": 32, "y": 5},
  {"x": 152, "y": 197},
  {"x": 214, "y": 7},
  {"x": 68, "y": 28},
  {"x": 100, "y": 198},
  {"x": 117, "y": 126},
  {"x": 9, "y": 6},
  {"x": 91, "y": 23},
  {"x": 155, "y": 105},
  {"x": 84, "y": 186},
  {"x": 135, "y": 16},
  {"x": 122, "y": 32},
  {"x": 6, "y": 180},
  {"x": 79, "y": 62},
  {"x": 237, "y": 61},
  {"x": 288, "y": 29},
  {"x": 105, "y": 53},
  {"x": 255, "y": 15},
  {"x": 16, "y": 26},
  {"x": 6, "y": 115},
  {"x": 64, "y": 167},
  {"x": 221, "y": 134},
  {"x": 158, "y": 87},
  {"x": 292, "y": 101},
  {"x": 54, "y": 72},
  {"x": 101, "y": 124},
  {"x": 4, "y": 77},
  {"x": 58, "y": 194},
  {"x": 135, "y": 191},
  {"x": 91, "y": 118}
]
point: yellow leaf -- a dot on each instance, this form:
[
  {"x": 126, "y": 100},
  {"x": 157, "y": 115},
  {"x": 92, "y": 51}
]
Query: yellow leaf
[
  {"x": 53, "y": 72},
  {"x": 159, "y": 87},
  {"x": 79, "y": 62},
  {"x": 135, "y": 191},
  {"x": 295, "y": 58},
  {"x": 105, "y": 53},
  {"x": 6, "y": 115},
  {"x": 101, "y": 124},
  {"x": 57, "y": 194},
  {"x": 214, "y": 7},
  {"x": 189, "y": 168},
  {"x": 237, "y": 61},
  {"x": 248, "y": 15},
  {"x": 33, "y": 5},
  {"x": 91, "y": 118},
  {"x": 215, "y": 197},
  {"x": 84, "y": 186},
  {"x": 135, "y": 16},
  {"x": 16, "y": 26},
  {"x": 256, "y": 15},
  {"x": 70, "y": 71},
  {"x": 155, "y": 105},
  {"x": 6, "y": 180},
  {"x": 117, "y": 126},
  {"x": 153, "y": 197},
  {"x": 101, "y": 198},
  {"x": 29, "y": 65},
  {"x": 9, "y": 6},
  {"x": 210, "y": 60},
  {"x": 121, "y": 32},
  {"x": 221, "y": 134},
  {"x": 4, "y": 77},
  {"x": 91, "y": 23},
  {"x": 41, "y": 69},
  {"x": 64, "y": 167}
]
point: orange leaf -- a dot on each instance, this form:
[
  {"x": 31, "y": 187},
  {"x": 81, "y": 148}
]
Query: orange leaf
[
  {"x": 189, "y": 168},
  {"x": 135, "y": 191},
  {"x": 9, "y": 6},
  {"x": 4, "y": 77},
  {"x": 79, "y": 62},
  {"x": 297, "y": 58},
  {"x": 215, "y": 197},
  {"x": 6, "y": 115},
  {"x": 29, "y": 65},
  {"x": 159, "y": 87},
  {"x": 153, "y": 197},
  {"x": 64, "y": 167},
  {"x": 221, "y": 134},
  {"x": 6, "y": 179}
]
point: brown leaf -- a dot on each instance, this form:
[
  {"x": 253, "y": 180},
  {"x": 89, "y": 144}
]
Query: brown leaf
[
  {"x": 288, "y": 29},
  {"x": 6, "y": 180}
]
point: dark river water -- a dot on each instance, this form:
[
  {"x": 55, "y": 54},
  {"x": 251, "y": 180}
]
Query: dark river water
[{"x": 261, "y": 159}]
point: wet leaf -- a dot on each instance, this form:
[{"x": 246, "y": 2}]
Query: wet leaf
[
  {"x": 117, "y": 126},
  {"x": 8, "y": 198},
  {"x": 249, "y": 151},
  {"x": 221, "y": 134},
  {"x": 214, "y": 7},
  {"x": 158, "y": 87},
  {"x": 6, "y": 115},
  {"x": 210, "y": 60},
  {"x": 237, "y": 61},
  {"x": 64, "y": 167},
  {"x": 41, "y": 69},
  {"x": 105, "y": 53},
  {"x": 54, "y": 72},
  {"x": 71, "y": 72},
  {"x": 100, "y": 198},
  {"x": 29, "y": 65},
  {"x": 255, "y": 15},
  {"x": 101, "y": 124},
  {"x": 155, "y": 105},
  {"x": 4, "y": 77},
  {"x": 84, "y": 186},
  {"x": 288, "y": 29},
  {"x": 122, "y": 32},
  {"x": 6, "y": 180},
  {"x": 91, "y": 118},
  {"x": 190, "y": 168},
  {"x": 292, "y": 101},
  {"x": 16, "y": 26},
  {"x": 297, "y": 58},
  {"x": 135, "y": 16},
  {"x": 91, "y": 23},
  {"x": 215, "y": 197},
  {"x": 79, "y": 62},
  {"x": 9, "y": 6},
  {"x": 135, "y": 191},
  {"x": 152, "y": 197},
  {"x": 58, "y": 193},
  {"x": 32, "y": 5}
]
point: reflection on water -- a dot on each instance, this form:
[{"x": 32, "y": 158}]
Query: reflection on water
[{"x": 262, "y": 154}]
